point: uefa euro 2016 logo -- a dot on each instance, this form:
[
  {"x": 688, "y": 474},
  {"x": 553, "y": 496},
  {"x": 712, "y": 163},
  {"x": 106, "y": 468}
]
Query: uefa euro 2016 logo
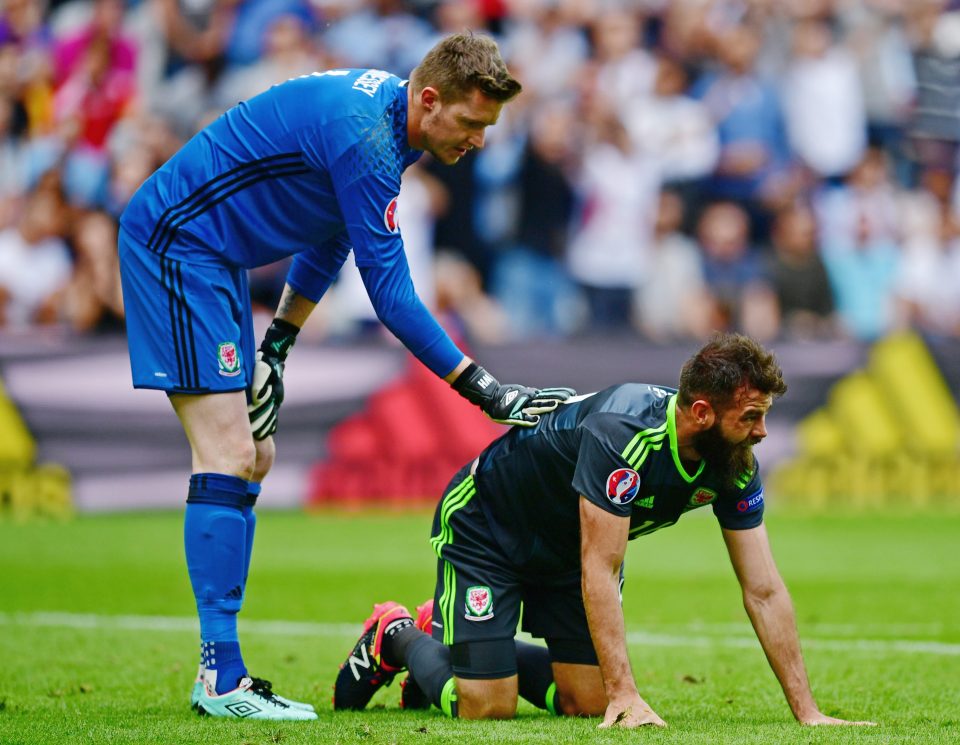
[{"x": 623, "y": 485}]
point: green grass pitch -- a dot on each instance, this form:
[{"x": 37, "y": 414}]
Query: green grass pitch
[{"x": 99, "y": 644}]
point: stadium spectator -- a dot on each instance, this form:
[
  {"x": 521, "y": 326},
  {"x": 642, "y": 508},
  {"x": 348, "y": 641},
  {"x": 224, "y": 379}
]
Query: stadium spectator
[
  {"x": 755, "y": 160},
  {"x": 119, "y": 51},
  {"x": 455, "y": 231},
  {"x": 288, "y": 53},
  {"x": 934, "y": 129},
  {"x": 673, "y": 303},
  {"x": 878, "y": 39},
  {"x": 89, "y": 103},
  {"x": 249, "y": 35},
  {"x": 547, "y": 47},
  {"x": 35, "y": 262},
  {"x": 674, "y": 130},
  {"x": 625, "y": 70},
  {"x": 863, "y": 268},
  {"x": 310, "y": 169},
  {"x": 739, "y": 294},
  {"x": 865, "y": 197},
  {"x": 11, "y": 161},
  {"x": 543, "y": 517},
  {"x": 384, "y": 34},
  {"x": 92, "y": 301},
  {"x": 799, "y": 278},
  {"x": 617, "y": 190},
  {"x": 927, "y": 290},
  {"x": 192, "y": 38},
  {"x": 465, "y": 305},
  {"x": 530, "y": 279},
  {"x": 823, "y": 101}
]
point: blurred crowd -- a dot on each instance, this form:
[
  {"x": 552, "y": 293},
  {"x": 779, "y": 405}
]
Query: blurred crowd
[{"x": 786, "y": 168}]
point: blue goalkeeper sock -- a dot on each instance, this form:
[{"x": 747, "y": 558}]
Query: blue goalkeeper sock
[
  {"x": 215, "y": 541},
  {"x": 253, "y": 491}
]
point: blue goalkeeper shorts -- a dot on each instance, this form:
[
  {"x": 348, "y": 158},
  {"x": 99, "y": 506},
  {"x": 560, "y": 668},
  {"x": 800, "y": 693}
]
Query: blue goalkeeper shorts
[{"x": 189, "y": 326}]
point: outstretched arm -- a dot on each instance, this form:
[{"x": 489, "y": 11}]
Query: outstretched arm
[
  {"x": 771, "y": 612},
  {"x": 603, "y": 544}
]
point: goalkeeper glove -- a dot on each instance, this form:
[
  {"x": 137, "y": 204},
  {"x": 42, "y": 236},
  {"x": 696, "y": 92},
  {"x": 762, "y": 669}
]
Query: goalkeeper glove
[
  {"x": 508, "y": 404},
  {"x": 266, "y": 393}
]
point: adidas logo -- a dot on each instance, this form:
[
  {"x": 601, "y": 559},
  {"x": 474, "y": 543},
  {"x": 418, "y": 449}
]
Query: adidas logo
[
  {"x": 235, "y": 594},
  {"x": 646, "y": 502}
]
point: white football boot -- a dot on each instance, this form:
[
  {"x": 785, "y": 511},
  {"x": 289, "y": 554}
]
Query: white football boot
[
  {"x": 251, "y": 699},
  {"x": 198, "y": 689}
]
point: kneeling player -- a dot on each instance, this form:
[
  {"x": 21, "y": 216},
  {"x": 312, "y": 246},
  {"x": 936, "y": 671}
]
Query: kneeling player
[{"x": 542, "y": 519}]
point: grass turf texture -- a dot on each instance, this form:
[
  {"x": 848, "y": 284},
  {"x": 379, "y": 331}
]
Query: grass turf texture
[{"x": 867, "y": 590}]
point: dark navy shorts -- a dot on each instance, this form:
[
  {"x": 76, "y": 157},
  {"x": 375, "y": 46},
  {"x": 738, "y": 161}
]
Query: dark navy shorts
[
  {"x": 479, "y": 593},
  {"x": 189, "y": 326}
]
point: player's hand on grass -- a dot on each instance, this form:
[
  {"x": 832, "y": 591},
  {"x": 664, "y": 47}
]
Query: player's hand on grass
[
  {"x": 818, "y": 719},
  {"x": 266, "y": 392},
  {"x": 629, "y": 713},
  {"x": 508, "y": 403}
]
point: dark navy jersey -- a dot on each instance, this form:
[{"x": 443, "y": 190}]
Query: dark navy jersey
[
  {"x": 617, "y": 448},
  {"x": 309, "y": 168}
]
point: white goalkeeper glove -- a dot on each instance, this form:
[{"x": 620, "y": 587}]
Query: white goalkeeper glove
[
  {"x": 508, "y": 404},
  {"x": 266, "y": 392}
]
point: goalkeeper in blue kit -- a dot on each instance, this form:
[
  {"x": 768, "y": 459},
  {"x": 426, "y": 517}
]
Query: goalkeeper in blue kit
[{"x": 310, "y": 168}]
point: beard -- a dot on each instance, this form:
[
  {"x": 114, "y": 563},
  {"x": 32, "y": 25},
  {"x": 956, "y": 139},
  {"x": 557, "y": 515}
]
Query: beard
[{"x": 729, "y": 459}]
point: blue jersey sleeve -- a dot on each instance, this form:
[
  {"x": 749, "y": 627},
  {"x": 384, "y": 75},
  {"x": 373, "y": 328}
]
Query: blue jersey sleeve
[
  {"x": 398, "y": 307},
  {"x": 742, "y": 508},
  {"x": 313, "y": 271}
]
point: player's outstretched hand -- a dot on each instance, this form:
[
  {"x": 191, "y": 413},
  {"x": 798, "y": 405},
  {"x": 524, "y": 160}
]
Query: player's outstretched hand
[
  {"x": 630, "y": 713},
  {"x": 266, "y": 392},
  {"x": 508, "y": 403},
  {"x": 818, "y": 720}
]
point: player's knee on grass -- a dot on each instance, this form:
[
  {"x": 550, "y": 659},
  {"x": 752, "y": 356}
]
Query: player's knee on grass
[
  {"x": 580, "y": 689},
  {"x": 487, "y": 699},
  {"x": 266, "y": 451},
  {"x": 485, "y": 673},
  {"x": 576, "y": 672}
]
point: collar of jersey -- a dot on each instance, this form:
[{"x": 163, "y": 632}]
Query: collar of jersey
[{"x": 672, "y": 436}]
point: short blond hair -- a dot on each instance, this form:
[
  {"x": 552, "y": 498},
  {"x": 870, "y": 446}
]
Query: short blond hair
[{"x": 461, "y": 63}]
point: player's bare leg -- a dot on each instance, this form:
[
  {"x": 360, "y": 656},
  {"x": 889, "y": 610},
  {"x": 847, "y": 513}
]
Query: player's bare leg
[
  {"x": 487, "y": 699},
  {"x": 218, "y": 429},
  {"x": 266, "y": 454},
  {"x": 580, "y": 689}
]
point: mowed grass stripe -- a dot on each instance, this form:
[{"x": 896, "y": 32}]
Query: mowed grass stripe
[{"x": 99, "y": 622}]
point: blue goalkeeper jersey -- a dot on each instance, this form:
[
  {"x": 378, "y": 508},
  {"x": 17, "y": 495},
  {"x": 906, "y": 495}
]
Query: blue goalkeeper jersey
[
  {"x": 309, "y": 168},
  {"x": 618, "y": 448}
]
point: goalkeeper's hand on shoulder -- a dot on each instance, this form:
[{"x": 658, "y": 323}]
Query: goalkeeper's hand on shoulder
[{"x": 507, "y": 403}]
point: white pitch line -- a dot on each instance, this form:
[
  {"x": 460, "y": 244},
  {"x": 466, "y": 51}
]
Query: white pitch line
[{"x": 696, "y": 638}]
